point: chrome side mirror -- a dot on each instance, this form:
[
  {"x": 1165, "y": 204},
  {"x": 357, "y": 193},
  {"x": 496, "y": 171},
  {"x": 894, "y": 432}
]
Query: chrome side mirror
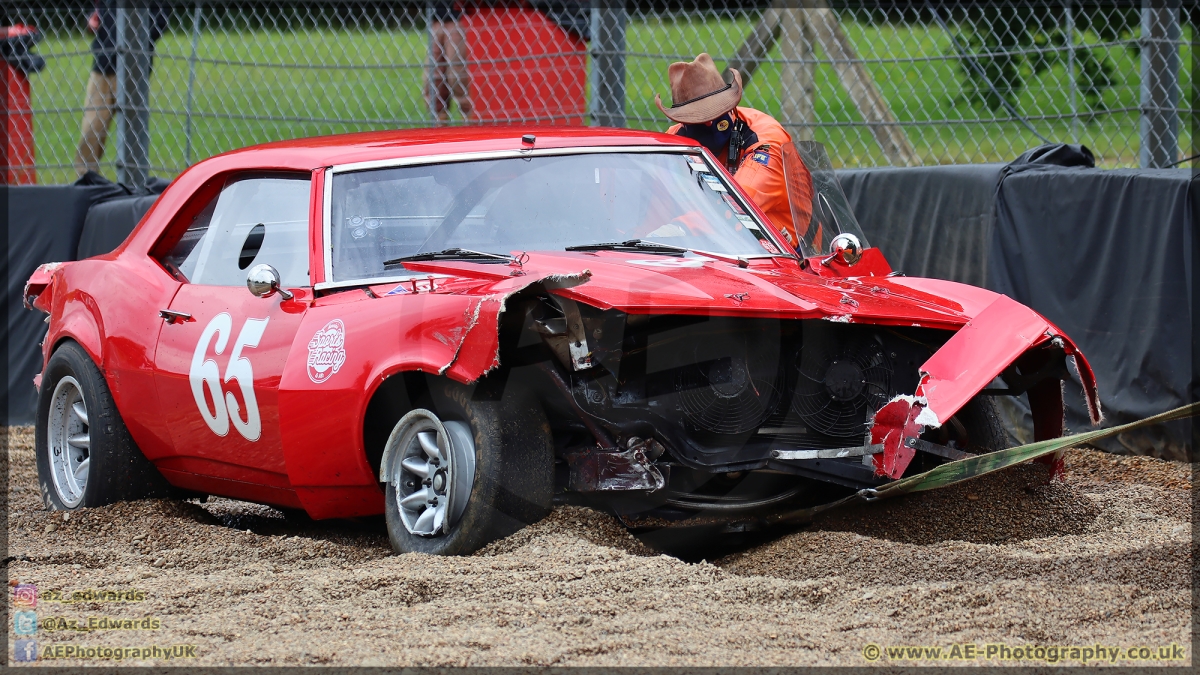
[
  {"x": 263, "y": 282},
  {"x": 845, "y": 247}
]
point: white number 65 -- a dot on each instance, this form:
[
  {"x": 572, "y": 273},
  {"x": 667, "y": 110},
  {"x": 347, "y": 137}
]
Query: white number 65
[{"x": 205, "y": 373}]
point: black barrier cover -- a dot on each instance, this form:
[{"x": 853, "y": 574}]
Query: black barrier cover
[
  {"x": 1106, "y": 256},
  {"x": 928, "y": 221},
  {"x": 109, "y": 222},
  {"x": 44, "y": 224},
  {"x": 938, "y": 222}
]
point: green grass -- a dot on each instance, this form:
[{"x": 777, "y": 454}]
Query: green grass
[
  {"x": 235, "y": 105},
  {"x": 917, "y": 91}
]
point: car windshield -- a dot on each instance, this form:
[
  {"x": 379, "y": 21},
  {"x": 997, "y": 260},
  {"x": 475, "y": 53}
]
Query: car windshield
[
  {"x": 536, "y": 203},
  {"x": 831, "y": 212}
]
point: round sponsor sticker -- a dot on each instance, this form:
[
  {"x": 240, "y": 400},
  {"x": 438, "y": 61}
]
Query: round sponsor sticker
[
  {"x": 669, "y": 262},
  {"x": 327, "y": 351}
]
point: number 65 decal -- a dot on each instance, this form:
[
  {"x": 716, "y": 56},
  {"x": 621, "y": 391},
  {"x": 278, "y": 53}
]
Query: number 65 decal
[{"x": 205, "y": 373}]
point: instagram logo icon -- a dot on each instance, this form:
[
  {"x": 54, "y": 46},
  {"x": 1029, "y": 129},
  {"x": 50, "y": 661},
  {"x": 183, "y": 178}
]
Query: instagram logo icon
[{"x": 25, "y": 595}]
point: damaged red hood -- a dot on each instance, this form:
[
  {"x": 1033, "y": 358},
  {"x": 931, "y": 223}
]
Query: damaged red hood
[{"x": 775, "y": 288}]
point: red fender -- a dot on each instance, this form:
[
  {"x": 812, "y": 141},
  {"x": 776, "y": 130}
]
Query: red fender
[
  {"x": 967, "y": 363},
  {"x": 77, "y": 322}
]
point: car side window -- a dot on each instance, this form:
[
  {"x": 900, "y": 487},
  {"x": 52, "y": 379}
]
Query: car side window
[{"x": 253, "y": 220}]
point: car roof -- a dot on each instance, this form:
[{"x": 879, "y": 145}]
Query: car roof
[{"x": 310, "y": 153}]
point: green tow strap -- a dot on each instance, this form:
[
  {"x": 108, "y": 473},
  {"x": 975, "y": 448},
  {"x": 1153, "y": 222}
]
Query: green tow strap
[{"x": 974, "y": 467}]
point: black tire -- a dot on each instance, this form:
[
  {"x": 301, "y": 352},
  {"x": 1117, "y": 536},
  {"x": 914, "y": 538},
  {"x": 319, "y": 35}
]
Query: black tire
[
  {"x": 514, "y": 470},
  {"x": 985, "y": 429},
  {"x": 118, "y": 471},
  {"x": 976, "y": 428}
]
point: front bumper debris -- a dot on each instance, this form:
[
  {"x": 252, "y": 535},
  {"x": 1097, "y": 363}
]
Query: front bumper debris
[{"x": 975, "y": 466}]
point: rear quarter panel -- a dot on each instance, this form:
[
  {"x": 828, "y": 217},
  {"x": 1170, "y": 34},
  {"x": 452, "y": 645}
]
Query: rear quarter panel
[{"x": 110, "y": 307}]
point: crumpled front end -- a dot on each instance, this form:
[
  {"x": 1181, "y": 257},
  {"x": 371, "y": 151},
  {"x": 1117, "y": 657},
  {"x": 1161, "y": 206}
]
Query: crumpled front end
[
  {"x": 689, "y": 388},
  {"x": 1006, "y": 340}
]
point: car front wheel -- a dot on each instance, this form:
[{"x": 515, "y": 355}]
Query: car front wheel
[
  {"x": 466, "y": 470},
  {"x": 976, "y": 429}
]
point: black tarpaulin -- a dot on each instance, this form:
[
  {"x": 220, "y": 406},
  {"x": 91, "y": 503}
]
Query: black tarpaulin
[
  {"x": 929, "y": 221},
  {"x": 44, "y": 223},
  {"x": 1106, "y": 256},
  {"x": 109, "y": 222}
]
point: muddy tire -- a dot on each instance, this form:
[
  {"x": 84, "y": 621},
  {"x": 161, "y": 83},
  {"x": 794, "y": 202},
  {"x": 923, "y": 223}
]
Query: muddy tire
[
  {"x": 466, "y": 470},
  {"x": 85, "y": 455}
]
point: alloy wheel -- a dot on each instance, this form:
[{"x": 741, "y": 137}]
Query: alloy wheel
[
  {"x": 434, "y": 472},
  {"x": 69, "y": 441}
]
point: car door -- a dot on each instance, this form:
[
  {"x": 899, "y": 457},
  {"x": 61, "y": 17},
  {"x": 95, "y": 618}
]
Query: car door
[{"x": 222, "y": 351}]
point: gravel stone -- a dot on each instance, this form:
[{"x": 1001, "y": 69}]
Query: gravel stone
[{"x": 1101, "y": 556}]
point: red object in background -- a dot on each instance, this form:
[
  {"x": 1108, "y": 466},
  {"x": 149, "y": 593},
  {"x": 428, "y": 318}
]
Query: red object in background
[
  {"x": 18, "y": 63},
  {"x": 19, "y": 159},
  {"x": 524, "y": 68}
]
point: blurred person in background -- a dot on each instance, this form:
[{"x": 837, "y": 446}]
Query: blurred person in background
[
  {"x": 754, "y": 147},
  {"x": 446, "y": 77},
  {"x": 101, "y": 101}
]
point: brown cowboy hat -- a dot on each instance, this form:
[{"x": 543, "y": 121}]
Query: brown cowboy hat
[{"x": 698, "y": 93}]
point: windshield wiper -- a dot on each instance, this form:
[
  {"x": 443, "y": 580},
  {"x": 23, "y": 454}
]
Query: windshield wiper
[
  {"x": 451, "y": 254},
  {"x": 639, "y": 245}
]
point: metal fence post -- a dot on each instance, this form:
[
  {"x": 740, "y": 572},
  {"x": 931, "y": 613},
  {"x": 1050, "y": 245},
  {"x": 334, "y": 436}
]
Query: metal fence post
[
  {"x": 1160, "y": 83},
  {"x": 133, "y": 93},
  {"x": 608, "y": 63},
  {"x": 796, "y": 73},
  {"x": 191, "y": 86},
  {"x": 1071, "y": 70}
]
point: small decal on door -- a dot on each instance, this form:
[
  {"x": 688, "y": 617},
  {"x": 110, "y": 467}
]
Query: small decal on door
[{"x": 327, "y": 351}]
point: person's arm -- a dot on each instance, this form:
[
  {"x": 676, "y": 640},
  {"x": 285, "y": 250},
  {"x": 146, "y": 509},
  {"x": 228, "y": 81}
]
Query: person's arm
[{"x": 761, "y": 176}]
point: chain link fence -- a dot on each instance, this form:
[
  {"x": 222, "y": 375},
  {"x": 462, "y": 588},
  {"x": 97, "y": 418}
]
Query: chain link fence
[{"x": 880, "y": 83}]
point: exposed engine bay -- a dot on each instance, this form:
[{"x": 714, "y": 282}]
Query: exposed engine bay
[{"x": 694, "y": 412}]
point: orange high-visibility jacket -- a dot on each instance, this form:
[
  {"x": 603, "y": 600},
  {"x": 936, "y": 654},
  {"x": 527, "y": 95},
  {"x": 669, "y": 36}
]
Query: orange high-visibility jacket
[{"x": 774, "y": 176}]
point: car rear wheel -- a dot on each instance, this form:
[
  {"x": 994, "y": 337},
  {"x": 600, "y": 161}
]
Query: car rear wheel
[
  {"x": 85, "y": 456},
  {"x": 466, "y": 470}
]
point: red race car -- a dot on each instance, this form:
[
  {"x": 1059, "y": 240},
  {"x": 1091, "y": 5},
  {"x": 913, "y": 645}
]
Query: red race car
[{"x": 457, "y": 328}]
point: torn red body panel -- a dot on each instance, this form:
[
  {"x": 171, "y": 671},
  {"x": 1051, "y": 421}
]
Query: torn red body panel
[
  {"x": 976, "y": 355},
  {"x": 35, "y": 295},
  {"x": 478, "y": 349},
  {"x": 895, "y": 422},
  {"x": 967, "y": 363}
]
